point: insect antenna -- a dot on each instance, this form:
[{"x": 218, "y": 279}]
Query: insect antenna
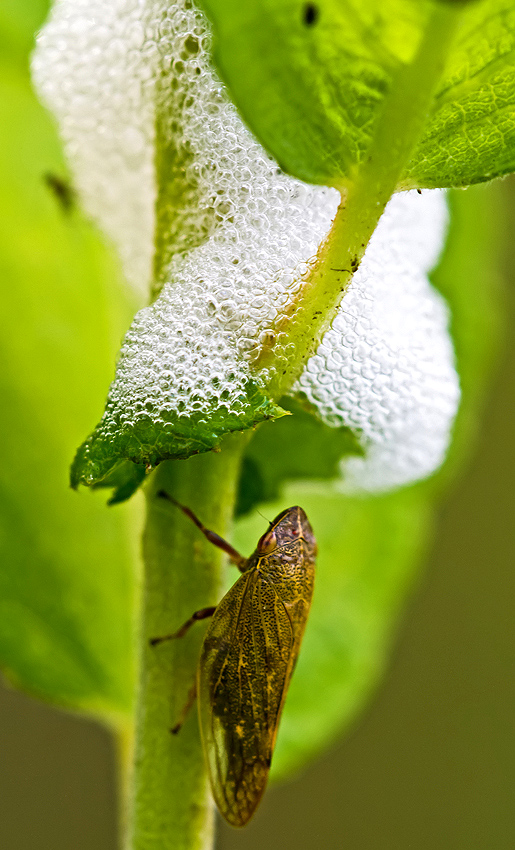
[{"x": 264, "y": 517}]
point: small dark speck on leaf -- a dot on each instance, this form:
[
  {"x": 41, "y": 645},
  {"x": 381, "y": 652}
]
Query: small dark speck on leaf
[
  {"x": 61, "y": 190},
  {"x": 310, "y": 14},
  {"x": 419, "y": 191}
]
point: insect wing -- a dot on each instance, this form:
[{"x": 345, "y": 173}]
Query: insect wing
[{"x": 246, "y": 662}]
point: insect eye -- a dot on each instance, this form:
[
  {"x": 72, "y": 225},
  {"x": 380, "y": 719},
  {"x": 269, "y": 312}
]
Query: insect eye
[{"x": 267, "y": 543}]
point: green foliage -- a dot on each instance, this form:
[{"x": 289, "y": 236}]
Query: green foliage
[
  {"x": 470, "y": 132},
  {"x": 148, "y": 441},
  {"x": 124, "y": 478},
  {"x": 66, "y": 581},
  {"x": 312, "y": 79}
]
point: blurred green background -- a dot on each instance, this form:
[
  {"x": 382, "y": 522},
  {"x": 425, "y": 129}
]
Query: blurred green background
[{"x": 431, "y": 764}]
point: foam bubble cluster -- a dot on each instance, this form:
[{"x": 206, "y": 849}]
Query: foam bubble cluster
[
  {"x": 386, "y": 366},
  {"x": 165, "y": 165}
]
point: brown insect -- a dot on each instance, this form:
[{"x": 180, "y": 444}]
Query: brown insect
[{"x": 248, "y": 656}]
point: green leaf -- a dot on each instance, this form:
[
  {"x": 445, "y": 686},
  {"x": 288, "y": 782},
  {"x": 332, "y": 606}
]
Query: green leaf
[
  {"x": 125, "y": 477},
  {"x": 312, "y": 79},
  {"x": 149, "y": 440},
  {"x": 295, "y": 447},
  {"x": 67, "y": 577},
  {"x": 470, "y": 133},
  {"x": 371, "y": 549},
  {"x": 310, "y": 85}
]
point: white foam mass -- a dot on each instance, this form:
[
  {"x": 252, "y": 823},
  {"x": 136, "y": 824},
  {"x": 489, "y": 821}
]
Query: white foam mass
[
  {"x": 386, "y": 366},
  {"x": 139, "y": 106}
]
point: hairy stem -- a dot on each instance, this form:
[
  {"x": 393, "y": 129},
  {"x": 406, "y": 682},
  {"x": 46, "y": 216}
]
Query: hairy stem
[
  {"x": 172, "y": 808},
  {"x": 365, "y": 195}
]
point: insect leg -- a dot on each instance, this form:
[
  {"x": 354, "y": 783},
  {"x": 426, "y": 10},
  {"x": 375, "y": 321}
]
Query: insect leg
[
  {"x": 197, "y": 615},
  {"x": 192, "y": 695},
  {"x": 212, "y": 536}
]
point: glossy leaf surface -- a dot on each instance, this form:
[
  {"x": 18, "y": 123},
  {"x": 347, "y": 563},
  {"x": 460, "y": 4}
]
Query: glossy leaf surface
[{"x": 311, "y": 80}]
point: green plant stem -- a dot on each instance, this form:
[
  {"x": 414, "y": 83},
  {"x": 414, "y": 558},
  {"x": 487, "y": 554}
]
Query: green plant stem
[
  {"x": 172, "y": 808},
  {"x": 365, "y": 196}
]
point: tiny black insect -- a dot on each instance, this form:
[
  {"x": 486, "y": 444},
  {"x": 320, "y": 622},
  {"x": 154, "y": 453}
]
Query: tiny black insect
[
  {"x": 310, "y": 14},
  {"x": 62, "y": 190}
]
